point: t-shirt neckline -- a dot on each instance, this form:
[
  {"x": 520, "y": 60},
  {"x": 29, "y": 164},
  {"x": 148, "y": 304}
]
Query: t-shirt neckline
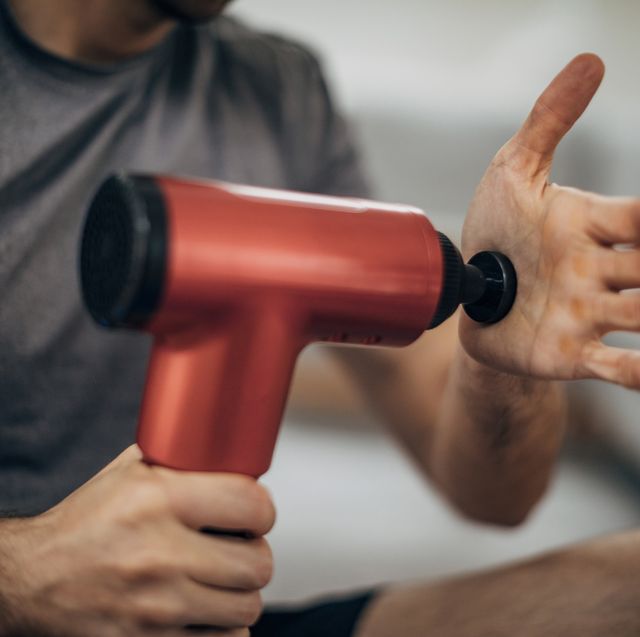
[{"x": 67, "y": 69}]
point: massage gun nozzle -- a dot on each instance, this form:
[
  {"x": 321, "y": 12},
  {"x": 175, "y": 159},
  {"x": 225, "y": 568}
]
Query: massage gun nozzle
[{"x": 486, "y": 286}]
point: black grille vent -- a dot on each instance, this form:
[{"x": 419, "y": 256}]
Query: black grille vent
[{"x": 123, "y": 250}]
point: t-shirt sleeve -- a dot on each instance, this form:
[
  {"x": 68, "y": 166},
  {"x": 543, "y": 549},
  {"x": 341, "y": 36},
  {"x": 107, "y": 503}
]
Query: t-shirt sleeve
[
  {"x": 323, "y": 154},
  {"x": 288, "y": 86}
]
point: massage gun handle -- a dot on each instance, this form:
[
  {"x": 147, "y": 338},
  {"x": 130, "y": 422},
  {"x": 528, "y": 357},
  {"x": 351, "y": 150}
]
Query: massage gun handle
[{"x": 214, "y": 399}]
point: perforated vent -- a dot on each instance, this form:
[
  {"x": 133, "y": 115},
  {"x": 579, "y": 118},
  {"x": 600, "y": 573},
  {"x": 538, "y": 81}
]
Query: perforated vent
[{"x": 123, "y": 251}]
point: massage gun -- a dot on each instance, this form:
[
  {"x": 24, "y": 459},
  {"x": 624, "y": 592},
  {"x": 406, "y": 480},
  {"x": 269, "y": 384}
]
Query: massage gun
[{"x": 234, "y": 281}]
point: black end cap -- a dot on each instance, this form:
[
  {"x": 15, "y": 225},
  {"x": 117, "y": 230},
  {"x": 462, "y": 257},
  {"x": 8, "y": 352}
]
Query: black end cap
[
  {"x": 123, "y": 251},
  {"x": 452, "y": 280},
  {"x": 500, "y": 291}
]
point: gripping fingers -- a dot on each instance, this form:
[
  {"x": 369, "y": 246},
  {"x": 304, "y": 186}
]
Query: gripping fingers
[
  {"x": 221, "y": 501},
  {"x": 229, "y": 562},
  {"x": 614, "y": 364},
  {"x": 197, "y": 605}
]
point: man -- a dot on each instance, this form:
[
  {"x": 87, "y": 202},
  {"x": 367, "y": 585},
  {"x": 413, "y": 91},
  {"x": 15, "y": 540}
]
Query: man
[{"x": 96, "y": 85}]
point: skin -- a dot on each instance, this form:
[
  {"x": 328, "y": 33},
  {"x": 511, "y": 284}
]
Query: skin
[
  {"x": 570, "y": 277},
  {"x": 107, "y": 31},
  {"x": 123, "y": 556},
  {"x": 561, "y": 242},
  {"x": 589, "y": 590},
  {"x": 491, "y": 458}
]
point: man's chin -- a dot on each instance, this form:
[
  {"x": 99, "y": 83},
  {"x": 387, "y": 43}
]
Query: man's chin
[{"x": 190, "y": 11}]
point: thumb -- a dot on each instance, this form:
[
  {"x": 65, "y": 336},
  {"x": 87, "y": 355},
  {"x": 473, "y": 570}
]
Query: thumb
[{"x": 559, "y": 107}]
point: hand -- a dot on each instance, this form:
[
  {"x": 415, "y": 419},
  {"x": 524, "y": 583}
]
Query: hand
[
  {"x": 563, "y": 243},
  {"x": 122, "y": 556}
]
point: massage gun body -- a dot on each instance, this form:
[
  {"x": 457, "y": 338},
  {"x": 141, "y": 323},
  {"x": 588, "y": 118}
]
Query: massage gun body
[
  {"x": 233, "y": 282},
  {"x": 250, "y": 281}
]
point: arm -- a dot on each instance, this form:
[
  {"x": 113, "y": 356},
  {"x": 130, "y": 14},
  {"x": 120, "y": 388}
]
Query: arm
[
  {"x": 488, "y": 440},
  {"x": 487, "y": 432}
]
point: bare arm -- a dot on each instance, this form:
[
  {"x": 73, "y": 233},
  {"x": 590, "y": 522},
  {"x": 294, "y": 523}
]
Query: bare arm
[
  {"x": 488, "y": 440},
  {"x": 487, "y": 432},
  {"x": 123, "y": 556}
]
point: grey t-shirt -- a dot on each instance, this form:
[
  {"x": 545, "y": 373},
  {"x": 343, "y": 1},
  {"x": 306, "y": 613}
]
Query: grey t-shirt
[{"x": 220, "y": 101}]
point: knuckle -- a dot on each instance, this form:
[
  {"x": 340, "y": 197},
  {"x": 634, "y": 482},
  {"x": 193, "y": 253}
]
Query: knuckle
[
  {"x": 264, "y": 565},
  {"x": 259, "y": 570},
  {"x": 261, "y": 510},
  {"x": 632, "y": 312},
  {"x": 145, "y": 565},
  {"x": 254, "y": 504},
  {"x": 152, "y": 610},
  {"x": 144, "y": 499},
  {"x": 249, "y": 608}
]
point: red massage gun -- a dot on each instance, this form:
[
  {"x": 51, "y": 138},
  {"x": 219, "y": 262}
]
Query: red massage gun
[{"x": 233, "y": 282}]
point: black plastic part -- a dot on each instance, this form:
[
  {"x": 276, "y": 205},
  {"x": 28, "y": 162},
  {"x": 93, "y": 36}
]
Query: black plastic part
[
  {"x": 123, "y": 251},
  {"x": 474, "y": 284},
  {"x": 452, "y": 281},
  {"x": 500, "y": 291}
]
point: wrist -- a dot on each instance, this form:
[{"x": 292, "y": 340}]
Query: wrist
[
  {"x": 486, "y": 376},
  {"x": 16, "y": 536},
  {"x": 501, "y": 397}
]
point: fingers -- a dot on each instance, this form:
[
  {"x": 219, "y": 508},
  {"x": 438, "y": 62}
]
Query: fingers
[
  {"x": 620, "y": 270},
  {"x": 217, "y": 607},
  {"x": 559, "y": 107},
  {"x": 227, "y": 562},
  {"x": 614, "y": 364},
  {"x": 220, "y": 500},
  {"x": 192, "y": 607},
  {"x": 617, "y": 312},
  {"x": 613, "y": 220}
]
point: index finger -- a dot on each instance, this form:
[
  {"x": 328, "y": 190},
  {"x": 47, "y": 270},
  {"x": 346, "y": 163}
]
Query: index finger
[{"x": 221, "y": 501}]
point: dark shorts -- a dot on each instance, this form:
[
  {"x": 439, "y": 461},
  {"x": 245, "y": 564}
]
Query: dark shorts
[{"x": 335, "y": 618}]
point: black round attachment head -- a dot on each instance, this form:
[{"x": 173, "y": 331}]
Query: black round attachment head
[
  {"x": 500, "y": 289},
  {"x": 123, "y": 251}
]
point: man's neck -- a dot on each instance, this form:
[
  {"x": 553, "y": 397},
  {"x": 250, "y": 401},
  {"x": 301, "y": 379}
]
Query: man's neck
[{"x": 92, "y": 31}]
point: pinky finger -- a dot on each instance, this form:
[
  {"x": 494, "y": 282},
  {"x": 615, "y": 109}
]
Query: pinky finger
[{"x": 614, "y": 364}]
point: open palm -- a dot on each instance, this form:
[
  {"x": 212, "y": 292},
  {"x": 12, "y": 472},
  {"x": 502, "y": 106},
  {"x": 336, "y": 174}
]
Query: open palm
[{"x": 564, "y": 245}]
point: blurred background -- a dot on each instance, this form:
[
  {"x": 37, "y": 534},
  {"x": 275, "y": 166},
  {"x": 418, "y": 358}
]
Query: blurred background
[{"x": 433, "y": 89}]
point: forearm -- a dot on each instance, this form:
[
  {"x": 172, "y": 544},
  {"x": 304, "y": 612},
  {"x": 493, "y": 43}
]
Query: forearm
[
  {"x": 496, "y": 440},
  {"x": 487, "y": 439}
]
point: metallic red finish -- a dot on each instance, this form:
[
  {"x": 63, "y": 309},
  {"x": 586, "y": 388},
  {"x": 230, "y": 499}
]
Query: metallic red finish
[{"x": 253, "y": 276}]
